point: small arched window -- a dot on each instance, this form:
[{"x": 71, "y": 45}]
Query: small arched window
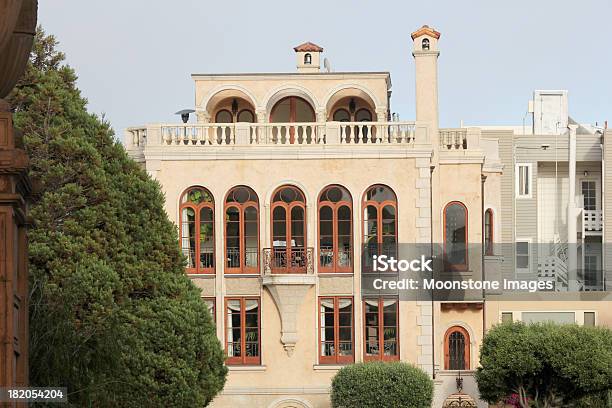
[
  {"x": 455, "y": 237},
  {"x": 342, "y": 115},
  {"x": 288, "y": 230},
  {"x": 456, "y": 349},
  {"x": 197, "y": 220},
  {"x": 224, "y": 116},
  {"x": 335, "y": 230},
  {"x": 363, "y": 115},
  {"x": 241, "y": 231},
  {"x": 425, "y": 44},
  {"x": 488, "y": 230},
  {"x": 307, "y": 59},
  {"x": 245, "y": 115},
  {"x": 380, "y": 221}
]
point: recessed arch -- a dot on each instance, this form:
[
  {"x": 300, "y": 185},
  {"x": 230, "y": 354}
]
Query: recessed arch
[
  {"x": 455, "y": 236},
  {"x": 290, "y": 403},
  {"x": 211, "y": 99},
  {"x": 197, "y": 229},
  {"x": 346, "y": 90},
  {"x": 275, "y": 95},
  {"x": 457, "y": 348},
  {"x": 335, "y": 232}
]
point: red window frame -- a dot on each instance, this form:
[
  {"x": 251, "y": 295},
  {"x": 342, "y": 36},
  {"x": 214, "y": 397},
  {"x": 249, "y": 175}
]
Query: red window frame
[
  {"x": 290, "y": 266},
  {"x": 466, "y": 345},
  {"x": 448, "y": 265},
  {"x": 243, "y": 359},
  {"x": 379, "y": 205},
  {"x": 197, "y": 208},
  {"x": 489, "y": 232},
  {"x": 241, "y": 207},
  {"x": 221, "y": 111},
  {"x": 336, "y": 358},
  {"x": 381, "y": 331},
  {"x": 335, "y": 206}
]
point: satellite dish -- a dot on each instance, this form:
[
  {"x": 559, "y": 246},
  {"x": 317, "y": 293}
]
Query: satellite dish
[{"x": 327, "y": 65}]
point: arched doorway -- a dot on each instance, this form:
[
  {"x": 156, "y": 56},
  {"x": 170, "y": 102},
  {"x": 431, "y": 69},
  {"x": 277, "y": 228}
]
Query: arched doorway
[{"x": 292, "y": 109}]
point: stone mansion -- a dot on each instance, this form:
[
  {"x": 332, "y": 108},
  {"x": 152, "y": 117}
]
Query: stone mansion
[{"x": 280, "y": 179}]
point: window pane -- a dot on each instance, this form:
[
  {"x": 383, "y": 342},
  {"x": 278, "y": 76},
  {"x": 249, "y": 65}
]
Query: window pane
[
  {"x": 188, "y": 236},
  {"x": 455, "y": 234},
  {"x": 506, "y": 317},
  {"x": 246, "y": 116},
  {"x": 589, "y": 318}
]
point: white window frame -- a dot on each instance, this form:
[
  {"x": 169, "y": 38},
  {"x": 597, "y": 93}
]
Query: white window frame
[
  {"x": 597, "y": 194},
  {"x": 529, "y": 181},
  {"x": 528, "y": 269}
]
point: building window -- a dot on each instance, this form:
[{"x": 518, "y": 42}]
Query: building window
[
  {"x": 380, "y": 221},
  {"x": 522, "y": 255},
  {"x": 246, "y": 115},
  {"x": 336, "y": 330},
  {"x": 224, "y": 116},
  {"x": 488, "y": 220},
  {"x": 589, "y": 319},
  {"x": 381, "y": 326},
  {"x": 197, "y": 209},
  {"x": 288, "y": 231},
  {"x": 457, "y": 349},
  {"x": 242, "y": 331},
  {"x": 523, "y": 180},
  {"x": 241, "y": 231},
  {"x": 363, "y": 115},
  {"x": 455, "y": 236},
  {"x": 589, "y": 194},
  {"x": 425, "y": 44},
  {"x": 506, "y": 317},
  {"x": 307, "y": 59},
  {"x": 342, "y": 115},
  {"x": 335, "y": 230},
  {"x": 210, "y": 305}
]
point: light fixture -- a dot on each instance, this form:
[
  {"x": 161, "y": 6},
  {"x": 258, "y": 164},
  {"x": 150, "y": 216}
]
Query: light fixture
[
  {"x": 234, "y": 106},
  {"x": 586, "y": 173},
  {"x": 185, "y": 114},
  {"x": 352, "y": 106},
  {"x": 545, "y": 146}
]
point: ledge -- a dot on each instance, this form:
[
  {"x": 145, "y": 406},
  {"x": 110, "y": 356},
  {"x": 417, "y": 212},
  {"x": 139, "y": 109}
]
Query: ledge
[
  {"x": 328, "y": 367},
  {"x": 247, "y": 368},
  {"x": 289, "y": 279}
]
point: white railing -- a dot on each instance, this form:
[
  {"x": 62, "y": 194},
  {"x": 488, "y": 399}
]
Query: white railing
[
  {"x": 453, "y": 139},
  {"x": 298, "y": 134},
  {"x": 592, "y": 220}
]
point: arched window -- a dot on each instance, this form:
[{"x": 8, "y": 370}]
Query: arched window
[
  {"x": 335, "y": 230},
  {"x": 224, "y": 116},
  {"x": 380, "y": 221},
  {"x": 246, "y": 115},
  {"x": 197, "y": 220},
  {"x": 241, "y": 231},
  {"x": 455, "y": 237},
  {"x": 363, "y": 115},
  {"x": 292, "y": 109},
  {"x": 488, "y": 220},
  {"x": 342, "y": 115},
  {"x": 288, "y": 230},
  {"x": 456, "y": 349},
  {"x": 425, "y": 44},
  {"x": 307, "y": 59}
]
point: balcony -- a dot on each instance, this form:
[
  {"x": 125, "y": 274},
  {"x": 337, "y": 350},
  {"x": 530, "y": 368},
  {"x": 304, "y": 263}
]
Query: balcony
[{"x": 592, "y": 222}]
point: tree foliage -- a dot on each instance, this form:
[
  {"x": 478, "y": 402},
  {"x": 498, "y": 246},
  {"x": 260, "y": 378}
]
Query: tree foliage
[
  {"x": 112, "y": 315},
  {"x": 546, "y": 365},
  {"x": 381, "y": 385}
]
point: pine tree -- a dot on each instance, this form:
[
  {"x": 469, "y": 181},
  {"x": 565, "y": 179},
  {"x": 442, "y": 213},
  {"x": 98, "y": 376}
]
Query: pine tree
[{"x": 112, "y": 315}]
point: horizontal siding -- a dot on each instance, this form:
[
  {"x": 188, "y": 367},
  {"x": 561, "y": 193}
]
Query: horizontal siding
[
  {"x": 607, "y": 207},
  {"x": 529, "y": 147}
]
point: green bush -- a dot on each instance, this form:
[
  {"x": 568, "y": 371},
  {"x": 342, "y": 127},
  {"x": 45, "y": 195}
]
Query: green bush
[
  {"x": 381, "y": 385},
  {"x": 549, "y": 365}
]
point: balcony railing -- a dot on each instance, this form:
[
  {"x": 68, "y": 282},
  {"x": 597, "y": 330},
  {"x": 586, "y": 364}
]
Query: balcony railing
[
  {"x": 454, "y": 139},
  {"x": 592, "y": 220},
  {"x": 288, "y": 260}
]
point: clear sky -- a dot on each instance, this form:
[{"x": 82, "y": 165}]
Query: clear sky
[{"x": 134, "y": 57}]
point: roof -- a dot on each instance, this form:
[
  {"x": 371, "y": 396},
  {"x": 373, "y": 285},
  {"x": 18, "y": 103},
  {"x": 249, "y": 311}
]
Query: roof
[
  {"x": 308, "y": 47},
  {"x": 426, "y": 30}
]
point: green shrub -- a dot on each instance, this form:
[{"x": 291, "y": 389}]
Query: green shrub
[{"x": 381, "y": 385}]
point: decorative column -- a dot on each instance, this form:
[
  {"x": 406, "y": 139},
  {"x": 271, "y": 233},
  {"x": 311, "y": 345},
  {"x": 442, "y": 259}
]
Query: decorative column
[{"x": 17, "y": 29}]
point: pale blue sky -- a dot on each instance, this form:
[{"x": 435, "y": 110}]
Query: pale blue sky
[{"x": 134, "y": 57}]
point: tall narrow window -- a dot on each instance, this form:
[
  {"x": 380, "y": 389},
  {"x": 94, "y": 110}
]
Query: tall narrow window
[
  {"x": 457, "y": 349},
  {"x": 210, "y": 305},
  {"x": 307, "y": 59},
  {"x": 242, "y": 331},
  {"x": 335, "y": 230},
  {"x": 381, "y": 334},
  {"x": 522, "y": 255},
  {"x": 288, "y": 231},
  {"x": 336, "y": 338},
  {"x": 380, "y": 221},
  {"x": 241, "y": 231},
  {"x": 589, "y": 194},
  {"x": 523, "y": 180},
  {"x": 488, "y": 219},
  {"x": 197, "y": 209},
  {"x": 455, "y": 236}
]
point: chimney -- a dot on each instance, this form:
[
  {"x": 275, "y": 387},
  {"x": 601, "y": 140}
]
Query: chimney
[
  {"x": 425, "y": 53},
  {"x": 308, "y": 57}
]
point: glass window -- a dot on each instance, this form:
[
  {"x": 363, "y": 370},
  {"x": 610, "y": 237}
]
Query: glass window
[
  {"x": 589, "y": 318},
  {"x": 455, "y": 236},
  {"x": 336, "y": 340},
  {"x": 457, "y": 349},
  {"x": 246, "y": 116},
  {"x": 522, "y": 254},
  {"x": 197, "y": 230},
  {"x": 242, "y": 331},
  {"x": 589, "y": 194},
  {"x": 242, "y": 231},
  {"x": 380, "y": 221},
  {"x": 335, "y": 230},
  {"x": 288, "y": 231},
  {"x": 342, "y": 115},
  {"x": 488, "y": 219},
  {"x": 506, "y": 317},
  {"x": 381, "y": 326},
  {"x": 210, "y": 305},
  {"x": 523, "y": 180}
]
